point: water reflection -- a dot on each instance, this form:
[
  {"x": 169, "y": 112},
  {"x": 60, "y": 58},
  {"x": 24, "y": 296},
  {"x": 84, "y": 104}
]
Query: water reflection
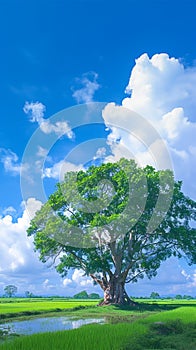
[{"x": 47, "y": 324}]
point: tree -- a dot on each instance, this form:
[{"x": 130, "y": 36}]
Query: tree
[
  {"x": 28, "y": 294},
  {"x": 10, "y": 290},
  {"x": 94, "y": 296},
  {"x": 117, "y": 222},
  {"x": 154, "y": 295},
  {"x": 188, "y": 297},
  {"x": 81, "y": 295},
  {"x": 178, "y": 296}
]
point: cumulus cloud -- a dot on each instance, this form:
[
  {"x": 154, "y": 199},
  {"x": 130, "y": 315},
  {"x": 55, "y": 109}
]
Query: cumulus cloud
[
  {"x": 101, "y": 153},
  {"x": 9, "y": 210},
  {"x": 58, "y": 170},
  {"x": 15, "y": 248},
  {"x": 181, "y": 279},
  {"x": 86, "y": 87},
  {"x": 163, "y": 92},
  {"x": 68, "y": 282},
  {"x": 11, "y": 162},
  {"x": 159, "y": 84},
  {"x": 36, "y": 110},
  {"x": 78, "y": 280},
  {"x": 48, "y": 286},
  {"x": 18, "y": 256},
  {"x": 192, "y": 284}
]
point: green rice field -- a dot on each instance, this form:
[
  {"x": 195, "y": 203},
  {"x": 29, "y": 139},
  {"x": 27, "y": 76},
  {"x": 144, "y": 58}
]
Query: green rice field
[
  {"x": 164, "y": 324},
  {"x": 13, "y": 307}
]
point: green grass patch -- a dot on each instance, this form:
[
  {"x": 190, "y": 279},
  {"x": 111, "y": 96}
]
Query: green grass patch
[
  {"x": 85, "y": 308},
  {"x": 148, "y": 326},
  {"x": 30, "y": 307},
  {"x": 186, "y": 314},
  {"x": 172, "y": 334},
  {"x": 96, "y": 337},
  {"x": 174, "y": 329}
]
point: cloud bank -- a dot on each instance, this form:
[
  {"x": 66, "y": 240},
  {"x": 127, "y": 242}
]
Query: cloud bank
[{"x": 162, "y": 91}]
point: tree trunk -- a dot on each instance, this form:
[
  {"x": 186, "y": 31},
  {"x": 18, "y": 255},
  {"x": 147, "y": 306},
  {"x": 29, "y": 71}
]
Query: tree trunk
[{"x": 114, "y": 293}]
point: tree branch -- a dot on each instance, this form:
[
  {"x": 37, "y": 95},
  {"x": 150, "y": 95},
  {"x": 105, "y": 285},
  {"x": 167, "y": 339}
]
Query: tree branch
[
  {"x": 139, "y": 273},
  {"x": 103, "y": 284},
  {"x": 81, "y": 261}
]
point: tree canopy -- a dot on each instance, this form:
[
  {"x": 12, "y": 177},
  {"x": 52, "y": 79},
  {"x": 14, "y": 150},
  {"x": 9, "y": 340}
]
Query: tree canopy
[
  {"x": 81, "y": 295},
  {"x": 10, "y": 290},
  {"x": 117, "y": 222},
  {"x": 154, "y": 295}
]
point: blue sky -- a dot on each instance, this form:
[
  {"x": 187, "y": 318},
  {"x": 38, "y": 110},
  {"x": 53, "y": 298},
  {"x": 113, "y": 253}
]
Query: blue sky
[{"x": 59, "y": 54}]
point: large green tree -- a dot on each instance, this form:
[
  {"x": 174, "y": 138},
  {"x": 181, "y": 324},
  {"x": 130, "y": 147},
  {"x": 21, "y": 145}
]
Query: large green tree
[{"x": 117, "y": 222}]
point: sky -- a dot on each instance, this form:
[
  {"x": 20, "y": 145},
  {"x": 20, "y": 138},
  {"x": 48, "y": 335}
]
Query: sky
[{"x": 118, "y": 57}]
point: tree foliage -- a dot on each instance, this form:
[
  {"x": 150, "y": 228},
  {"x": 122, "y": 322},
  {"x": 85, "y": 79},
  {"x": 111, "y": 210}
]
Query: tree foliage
[
  {"x": 109, "y": 221},
  {"x": 28, "y": 294},
  {"x": 10, "y": 290},
  {"x": 94, "y": 296},
  {"x": 154, "y": 295},
  {"x": 81, "y": 295}
]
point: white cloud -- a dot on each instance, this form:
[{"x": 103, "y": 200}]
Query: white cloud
[
  {"x": 174, "y": 122},
  {"x": 16, "y": 248},
  {"x": 36, "y": 113},
  {"x": 19, "y": 264},
  {"x": 163, "y": 92},
  {"x": 81, "y": 280},
  {"x": 171, "y": 279},
  {"x": 11, "y": 163},
  {"x": 68, "y": 282},
  {"x": 58, "y": 170},
  {"x": 101, "y": 152},
  {"x": 78, "y": 281},
  {"x": 185, "y": 274},
  {"x": 42, "y": 152},
  {"x": 160, "y": 84},
  {"x": 88, "y": 85},
  {"x": 9, "y": 210},
  {"x": 59, "y": 128},
  {"x": 192, "y": 284},
  {"x": 47, "y": 285}
]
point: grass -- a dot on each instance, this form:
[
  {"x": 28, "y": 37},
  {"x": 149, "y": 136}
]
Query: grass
[
  {"x": 96, "y": 337},
  {"x": 148, "y": 326},
  {"x": 186, "y": 314},
  {"x": 174, "y": 329},
  {"x": 22, "y": 308},
  {"x": 32, "y": 306}
]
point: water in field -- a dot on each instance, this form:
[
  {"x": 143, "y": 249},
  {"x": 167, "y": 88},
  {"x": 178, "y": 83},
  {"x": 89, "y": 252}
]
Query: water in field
[{"x": 46, "y": 324}]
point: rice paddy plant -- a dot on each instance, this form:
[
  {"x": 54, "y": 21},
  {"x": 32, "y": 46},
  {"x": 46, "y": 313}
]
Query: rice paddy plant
[
  {"x": 174, "y": 329},
  {"x": 96, "y": 337},
  {"x": 30, "y": 306},
  {"x": 186, "y": 314}
]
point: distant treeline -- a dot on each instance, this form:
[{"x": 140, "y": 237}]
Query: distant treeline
[{"x": 84, "y": 295}]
